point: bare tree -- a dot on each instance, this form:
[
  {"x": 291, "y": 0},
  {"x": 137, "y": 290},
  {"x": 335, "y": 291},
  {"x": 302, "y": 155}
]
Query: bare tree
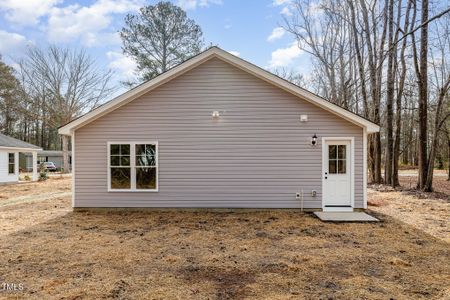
[
  {"x": 440, "y": 82},
  {"x": 421, "y": 68},
  {"x": 291, "y": 75},
  {"x": 63, "y": 84}
]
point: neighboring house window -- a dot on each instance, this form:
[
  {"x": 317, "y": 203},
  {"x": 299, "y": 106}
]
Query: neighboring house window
[
  {"x": 133, "y": 166},
  {"x": 11, "y": 163}
]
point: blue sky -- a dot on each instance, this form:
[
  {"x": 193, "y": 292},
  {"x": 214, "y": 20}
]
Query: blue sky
[{"x": 248, "y": 28}]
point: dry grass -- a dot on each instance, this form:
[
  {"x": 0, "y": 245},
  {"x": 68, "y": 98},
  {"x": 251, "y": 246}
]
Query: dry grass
[
  {"x": 278, "y": 254},
  {"x": 430, "y": 214},
  {"x": 55, "y": 184}
]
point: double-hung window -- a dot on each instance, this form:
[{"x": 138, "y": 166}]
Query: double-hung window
[
  {"x": 133, "y": 166},
  {"x": 11, "y": 163}
]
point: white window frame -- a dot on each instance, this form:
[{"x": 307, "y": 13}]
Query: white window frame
[
  {"x": 14, "y": 163},
  {"x": 133, "y": 166}
]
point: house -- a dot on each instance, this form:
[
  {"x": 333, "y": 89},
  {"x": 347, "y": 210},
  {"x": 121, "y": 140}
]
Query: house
[
  {"x": 53, "y": 156},
  {"x": 9, "y": 158},
  {"x": 218, "y": 131}
]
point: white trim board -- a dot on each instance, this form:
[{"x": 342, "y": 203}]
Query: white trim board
[
  {"x": 20, "y": 149},
  {"x": 231, "y": 59},
  {"x": 73, "y": 170}
]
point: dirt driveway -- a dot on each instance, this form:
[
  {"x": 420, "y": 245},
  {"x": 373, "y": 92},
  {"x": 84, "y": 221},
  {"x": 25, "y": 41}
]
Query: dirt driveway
[{"x": 279, "y": 254}]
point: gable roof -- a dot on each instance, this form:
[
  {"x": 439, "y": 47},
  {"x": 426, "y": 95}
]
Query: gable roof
[
  {"x": 233, "y": 60},
  {"x": 10, "y": 142}
]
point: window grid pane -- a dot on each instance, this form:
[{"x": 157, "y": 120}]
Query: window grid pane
[
  {"x": 342, "y": 166},
  {"x": 332, "y": 166},
  {"x": 145, "y": 178},
  {"x": 332, "y": 152},
  {"x": 342, "y": 152},
  {"x": 120, "y": 178},
  {"x": 11, "y": 163}
]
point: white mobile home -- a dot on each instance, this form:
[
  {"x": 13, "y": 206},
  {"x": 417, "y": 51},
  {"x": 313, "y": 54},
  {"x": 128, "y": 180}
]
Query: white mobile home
[
  {"x": 218, "y": 131},
  {"x": 9, "y": 158}
]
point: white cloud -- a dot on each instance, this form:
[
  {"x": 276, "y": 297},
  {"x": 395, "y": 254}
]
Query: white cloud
[
  {"x": 123, "y": 65},
  {"x": 227, "y": 26},
  {"x": 87, "y": 23},
  {"x": 286, "y": 11},
  {"x": 12, "y": 42},
  {"x": 192, "y": 4},
  {"x": 26, "y": 12},
  {"x": 281, "y": 2},
  {"x": 283, "y": 57},
  {"x": 235, "y": 53},
  {"x": 277, "y": 33}
]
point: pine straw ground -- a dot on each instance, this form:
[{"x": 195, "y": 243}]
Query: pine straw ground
[{"x": 279, "y": 254}]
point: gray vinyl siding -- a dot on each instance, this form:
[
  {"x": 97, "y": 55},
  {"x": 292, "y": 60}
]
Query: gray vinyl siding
[{"x": 257, "y": 154}]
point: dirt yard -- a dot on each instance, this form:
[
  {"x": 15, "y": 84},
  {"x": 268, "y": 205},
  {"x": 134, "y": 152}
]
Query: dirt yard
[
  {"x": 280, "y": 254},
  {"x": 429, "y": 212}
]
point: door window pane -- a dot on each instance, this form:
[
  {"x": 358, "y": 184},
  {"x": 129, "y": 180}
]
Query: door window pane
[
  {"x": 146, "y": 178},
  {"x": 120, "y": 178},
  {"x": 332, "y": 151},
  {"x": 342, "y": 166},
  {"x": 332, "y": 166},
  {"x": 342, "y": 151}
]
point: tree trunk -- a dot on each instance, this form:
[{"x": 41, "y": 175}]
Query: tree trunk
[
  {"x": 448, "y": 156},
  {"x": 390, "y": 98},
  {"x": 65, "y": 148},
  {"x": 423, "y": 99}
]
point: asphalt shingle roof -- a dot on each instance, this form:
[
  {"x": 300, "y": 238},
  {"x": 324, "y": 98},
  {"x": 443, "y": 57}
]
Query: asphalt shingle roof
[{"x": 7, "y": 141}]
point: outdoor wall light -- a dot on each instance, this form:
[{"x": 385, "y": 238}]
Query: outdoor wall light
[
  {"x": 314, "y": 140},
  {"x": 215, "y": 114}
]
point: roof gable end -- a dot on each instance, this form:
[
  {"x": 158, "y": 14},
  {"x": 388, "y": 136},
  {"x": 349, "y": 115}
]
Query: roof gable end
[{"x": 228, "y": 58}]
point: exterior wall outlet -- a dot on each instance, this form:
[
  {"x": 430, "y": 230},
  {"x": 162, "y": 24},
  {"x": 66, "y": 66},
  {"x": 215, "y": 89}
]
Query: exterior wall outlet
[
  {"x": 314, "y": 193},
  {"x": 297, "y": 196},
  {"x": 303, "y": 118}
]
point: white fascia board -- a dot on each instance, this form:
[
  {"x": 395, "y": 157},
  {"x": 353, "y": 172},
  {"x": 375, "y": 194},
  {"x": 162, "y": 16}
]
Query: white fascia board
[
  {"x": 234, "y": 60},
  {"x": 20, "y": 149}
]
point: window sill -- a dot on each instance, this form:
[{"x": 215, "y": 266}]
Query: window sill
[{"x": 132, "y": 191}]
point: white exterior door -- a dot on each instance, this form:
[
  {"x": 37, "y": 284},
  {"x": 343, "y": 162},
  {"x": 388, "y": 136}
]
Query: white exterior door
[{"x": 337, "y": 177}]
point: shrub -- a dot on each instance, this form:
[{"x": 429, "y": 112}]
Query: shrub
[
  {"x": 43, "y": 176},
  {"x": 27, "y": 178}
]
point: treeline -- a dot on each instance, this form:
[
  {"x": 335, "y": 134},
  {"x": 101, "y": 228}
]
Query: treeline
[
  {"x": 387, "y": 60},
  {"x": 51, "y": 86}
]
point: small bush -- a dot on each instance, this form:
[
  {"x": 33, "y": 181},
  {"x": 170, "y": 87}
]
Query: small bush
[
  {"x": 27, "y": 178},
  {"x": 43, "y": 176}
]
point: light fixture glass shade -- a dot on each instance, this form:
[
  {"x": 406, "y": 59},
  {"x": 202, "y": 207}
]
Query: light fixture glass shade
[
  {"x": 215, "y": 114},
  {"x": 314, "y": 140}
]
